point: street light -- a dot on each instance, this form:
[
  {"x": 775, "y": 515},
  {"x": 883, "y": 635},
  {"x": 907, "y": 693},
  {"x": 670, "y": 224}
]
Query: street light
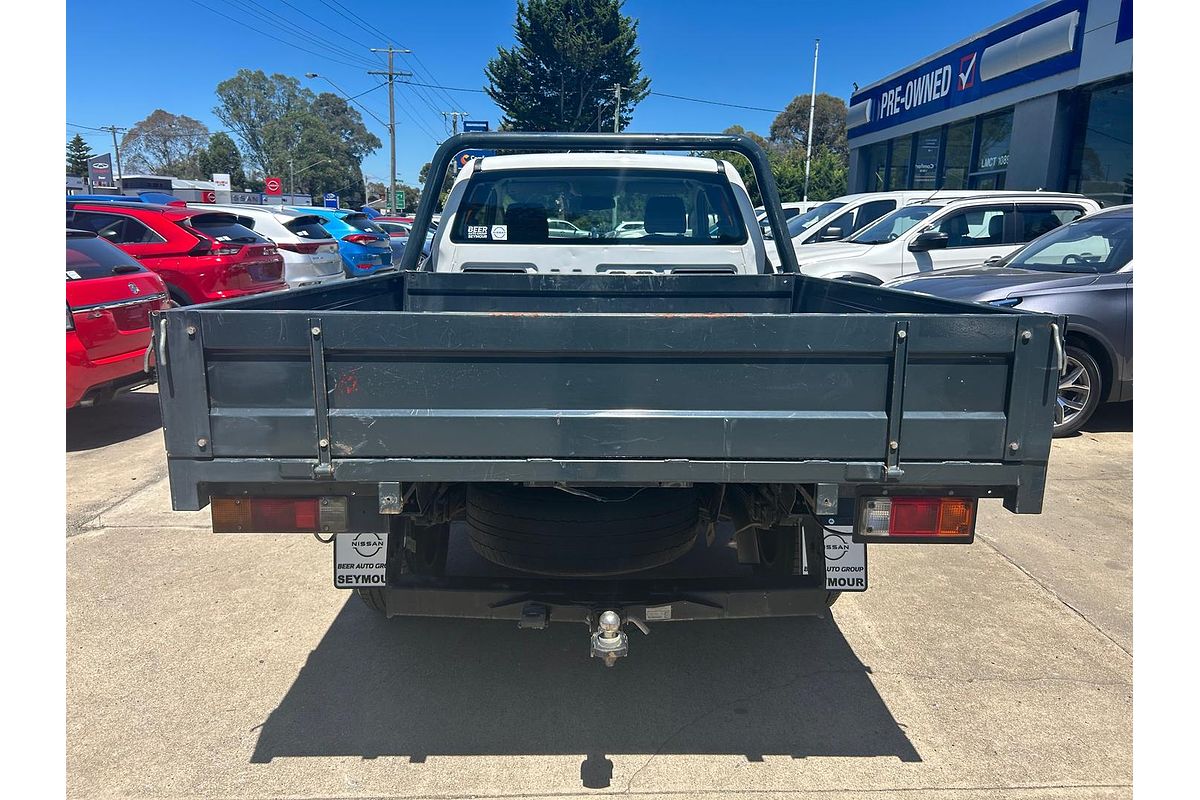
[{"x": 292, "y": 169}]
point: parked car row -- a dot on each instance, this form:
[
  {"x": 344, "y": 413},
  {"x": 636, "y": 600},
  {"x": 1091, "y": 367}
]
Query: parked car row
[{"x": 128, "y": 256}]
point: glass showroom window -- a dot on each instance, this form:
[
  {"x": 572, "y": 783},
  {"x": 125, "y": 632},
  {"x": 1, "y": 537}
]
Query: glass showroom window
[
  {"x": 925, "y": 162},
  {"x": 959, "y": 138},
  {"x": 901, "y": 156},
  {"x": 875, "y": 167},
  {"x": 1102, "y": 144},
  {"x": 991, "y": 160}
]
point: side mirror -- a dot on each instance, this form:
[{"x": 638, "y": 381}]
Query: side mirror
[
  {"x": 830, "y": 235},
  {"x": 929, "y": 240}
]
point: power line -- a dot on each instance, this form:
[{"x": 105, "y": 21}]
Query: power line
[
  {"x": 325, "y": 56},
  {"x": 273, "y": 18},
  {"x": 716, "y": 103},
  {"x": 326, "y": 26},
  {"x": 447, "y": 88}
]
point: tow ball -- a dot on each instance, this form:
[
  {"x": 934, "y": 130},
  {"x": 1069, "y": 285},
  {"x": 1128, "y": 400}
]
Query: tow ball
[{"x": 609, "y": 642}]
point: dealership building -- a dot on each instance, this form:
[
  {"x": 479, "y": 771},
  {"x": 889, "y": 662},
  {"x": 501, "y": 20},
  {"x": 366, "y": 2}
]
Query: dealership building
[{"x": 1042, "y": 100}]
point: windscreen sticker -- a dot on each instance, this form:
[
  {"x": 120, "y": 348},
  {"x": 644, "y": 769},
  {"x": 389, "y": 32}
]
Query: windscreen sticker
[
  {"x": 500, "y": 233},
  {"x": 845, "y": 562},
  {"x": 360, "y": 559},
  {"x": 477, "y": 232}
]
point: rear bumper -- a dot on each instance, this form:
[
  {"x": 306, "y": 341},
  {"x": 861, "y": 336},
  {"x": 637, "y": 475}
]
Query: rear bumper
[
  {"x": 417, "y": 596},
  {"x": 88, "y": 380},
  {"x": 301, "y": 281}
]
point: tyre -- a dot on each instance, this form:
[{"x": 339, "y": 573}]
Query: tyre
[
  {"x": 777, "y": 551},
  {"x": 551, "y": 532},
  {"x": 373, "y": 599},
  {"x": 422, "y": 549},
  {"x": 1079, "y": 390}
]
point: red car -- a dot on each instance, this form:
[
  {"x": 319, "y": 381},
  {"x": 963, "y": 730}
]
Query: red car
[
  {"x": 109, "y": 300},
  {"x": 201, "y": 255}
]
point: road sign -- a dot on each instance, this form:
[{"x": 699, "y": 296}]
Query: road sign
[
  {"x": 331, "y": 200},
  {"x": 475, "y": 125},
  {"x": 462, "y": 158},
  {"x": 274, "y": 186},
  {"x": 208, "y": 196}
]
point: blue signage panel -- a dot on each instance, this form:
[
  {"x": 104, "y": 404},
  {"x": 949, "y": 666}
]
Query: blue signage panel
[
  {"x": 1125, "y": 21},
  {"x": 475, "y": 125},
  {"x": 331, "y": 200},
  {"x": 1043, "y": 43}
]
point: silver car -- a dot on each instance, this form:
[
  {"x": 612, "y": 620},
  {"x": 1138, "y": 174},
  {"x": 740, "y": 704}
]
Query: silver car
[{"x": 310, "y": 254}]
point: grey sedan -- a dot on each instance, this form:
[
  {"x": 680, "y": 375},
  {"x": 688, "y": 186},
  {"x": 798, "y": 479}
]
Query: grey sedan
[{"x": 1084, "y": 270}]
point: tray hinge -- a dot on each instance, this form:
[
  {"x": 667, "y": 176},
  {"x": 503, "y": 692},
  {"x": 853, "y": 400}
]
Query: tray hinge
[{"x": 324, "y": 466}]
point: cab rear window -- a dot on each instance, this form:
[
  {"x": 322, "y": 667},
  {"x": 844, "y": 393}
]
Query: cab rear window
[{"x": 598, "y": 206}]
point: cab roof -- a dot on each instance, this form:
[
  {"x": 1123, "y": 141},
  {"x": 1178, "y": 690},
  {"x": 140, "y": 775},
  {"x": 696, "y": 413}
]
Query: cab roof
[{"x": 600, "y": 160}]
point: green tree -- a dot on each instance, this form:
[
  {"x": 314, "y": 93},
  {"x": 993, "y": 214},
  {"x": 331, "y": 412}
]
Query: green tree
[
  {"x": 285, "y": 128},
  {"x": 828, "y": 176},
  {"x": 222, "y": 156},
  {"x": 790, "y": 128},
  {"x": 561, "y": 74},
  {"x": 78, "y": 156},
  {"x": 265, "y": 114},
  {"x": 164, "y": 144}
]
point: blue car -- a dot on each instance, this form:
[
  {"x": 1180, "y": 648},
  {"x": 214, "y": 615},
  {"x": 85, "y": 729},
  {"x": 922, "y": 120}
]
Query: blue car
[{"x": 365, "y": 247}]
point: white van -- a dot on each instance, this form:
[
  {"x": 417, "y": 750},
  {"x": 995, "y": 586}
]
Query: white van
[{"x": 943, "y": 232}]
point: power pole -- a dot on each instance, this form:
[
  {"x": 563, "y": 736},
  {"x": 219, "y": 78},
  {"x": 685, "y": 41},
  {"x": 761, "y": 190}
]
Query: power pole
[
  {"x": 617, "y": 110},
  {"x": 454, "y": 115},
  {"x": 113, "y": 129},
  {"x": 391, "y": 74},
  {"x": 812, "y": 112}
]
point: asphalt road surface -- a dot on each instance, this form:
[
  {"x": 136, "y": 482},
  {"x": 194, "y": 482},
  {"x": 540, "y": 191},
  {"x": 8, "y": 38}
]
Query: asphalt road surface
[{"x": 202, "y": 665}]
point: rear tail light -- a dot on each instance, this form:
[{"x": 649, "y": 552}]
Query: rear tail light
[
  {"x": 279, "y": 514},
  {"x": 917, "y": 519},
  {"x": 308, "y": 248},
  {"x": 362, "y": 238}
]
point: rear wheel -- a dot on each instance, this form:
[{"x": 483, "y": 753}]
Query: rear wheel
[{"x": 419, "y": 550}]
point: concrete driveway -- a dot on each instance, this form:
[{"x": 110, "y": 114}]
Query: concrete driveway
[{"x": 227, "y": 666}]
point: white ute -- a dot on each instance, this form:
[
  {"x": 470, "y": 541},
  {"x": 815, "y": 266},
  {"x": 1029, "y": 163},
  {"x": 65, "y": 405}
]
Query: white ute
[{"x": 507, "y": 214}]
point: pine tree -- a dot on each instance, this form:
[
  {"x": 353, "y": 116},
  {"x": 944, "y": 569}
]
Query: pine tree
[
  {"x": 569, "y": 57},
  {"x": 78, "y": 156}
]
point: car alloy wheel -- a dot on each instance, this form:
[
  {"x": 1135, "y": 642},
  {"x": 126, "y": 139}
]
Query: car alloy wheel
[{"x": 1078, "y": 392}]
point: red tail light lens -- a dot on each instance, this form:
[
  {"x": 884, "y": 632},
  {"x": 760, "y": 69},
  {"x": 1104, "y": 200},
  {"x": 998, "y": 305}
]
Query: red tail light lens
[
  {"x": 361, "y": 238},
  {"x": 278, "y": 514},
  {"x": 917, "y": 518},
  {"x": 308, "y": 248}
]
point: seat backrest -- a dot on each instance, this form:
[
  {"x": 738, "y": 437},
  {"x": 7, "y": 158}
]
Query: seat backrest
[
  {"x": 528, "y": 223},
  {"x": 665, "y": 214},
  {"x": 996, "y": 229}
]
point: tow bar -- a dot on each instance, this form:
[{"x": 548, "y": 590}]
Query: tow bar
[{"x": 609, "y": 642}]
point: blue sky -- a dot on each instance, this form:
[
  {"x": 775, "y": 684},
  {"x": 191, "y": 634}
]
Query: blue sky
[{"x": 126, "y": 58}]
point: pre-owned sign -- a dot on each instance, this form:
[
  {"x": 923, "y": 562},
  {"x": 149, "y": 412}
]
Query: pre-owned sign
[{"x": 1043, "y": 43}]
